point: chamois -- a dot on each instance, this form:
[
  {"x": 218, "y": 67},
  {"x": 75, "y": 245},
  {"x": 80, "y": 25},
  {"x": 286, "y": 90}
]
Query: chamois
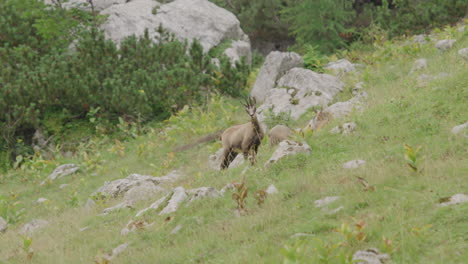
[
  {"x": 278, "y": 133},
  {"x": 245, "y": 138}
]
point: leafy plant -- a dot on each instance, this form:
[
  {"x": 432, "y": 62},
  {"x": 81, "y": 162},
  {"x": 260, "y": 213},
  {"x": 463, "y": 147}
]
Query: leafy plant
[
  {"x": 9, "y": 209},
  {"x": 353, "y": 233},
  {"x": 313, "y": 58},
  {"x": 27, "y": 241},
  {"x": 411, "y": 156},
  {"x": 260, "y": 196},
  {"x": 241, "y": 195},
  {"x": 282, "y": 118},
  {"x": 294, "y": 253}
]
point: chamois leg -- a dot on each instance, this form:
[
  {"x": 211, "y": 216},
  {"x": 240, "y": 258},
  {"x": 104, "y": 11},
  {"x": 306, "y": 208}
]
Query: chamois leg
[{"x": 228, "y": 156}]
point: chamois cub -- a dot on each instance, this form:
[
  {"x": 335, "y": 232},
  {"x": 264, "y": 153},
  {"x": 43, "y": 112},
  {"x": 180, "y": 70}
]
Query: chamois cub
[{"x": 243, "y": 138}]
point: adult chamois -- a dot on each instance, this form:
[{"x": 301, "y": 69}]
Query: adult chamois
[{"x": 243, "y": 138}]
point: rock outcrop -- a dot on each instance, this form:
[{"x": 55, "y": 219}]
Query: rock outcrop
[
  {"x": 455, "y": 199},
  {"x": 275, "y": 66},
  {"x": 287, "y": 148},
  {"x": 187, "y": 19},
  {"x": 299, "y": 90},
  {"x": 445, "y": 44}
]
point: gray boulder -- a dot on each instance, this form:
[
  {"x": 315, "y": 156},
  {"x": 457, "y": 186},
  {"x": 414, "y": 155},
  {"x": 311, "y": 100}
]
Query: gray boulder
[
  {"x": 421, "y": 39},
  {"x": 33, "y": 226},
  {"x": 445, "y": 44},
  {"x": 340, "y": 67},
  {"x": 353, "y": 164},
  {"x": 3, "y": 225},
  {"x": 275, "y": 66},
  {"x": 287, "y": 148},
  {"x": 122, "y": 186},
  {"x": 202, "y": 192},
  {"x": 271, "y": 189},
  {"x": 186, "y": 19},
  {"x": 370, "y": 256},
  {"x": 174, "y": 202},
  {"x": 299, "y": 90},
  {"x": 345, "y": 129},
  {"x": 463, "y": 52},
  {"x": 419, "y": 64},
  {"x": 116, "y": 251},
  {"x": 62, "y": 171}
]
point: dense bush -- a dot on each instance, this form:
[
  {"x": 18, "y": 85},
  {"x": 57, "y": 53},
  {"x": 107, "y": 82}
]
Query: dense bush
[
  {"x": 334, "y": 24},
  {"x": 140, "y": 79}
]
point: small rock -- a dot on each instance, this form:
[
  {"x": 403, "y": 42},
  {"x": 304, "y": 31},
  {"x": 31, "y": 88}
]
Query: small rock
[
  {"x": 117, "y": 251},
  {"x": 271, "y": 189},
  {"x": 63, "y": 185},
  {"x": 419, "y": 64},
  {"x": 325, "y": 201},
  {"x": 202, "y": 192},
  {"x": 287, "y": 148},
  {"x": 345, "y": 129},
  {"x": 3, "y": 225},
  {"x": 421, "y": 39},
  {"x": 341, "y": 66},
  {"x": 62, "y": 171},
  {"x": 460, "y": 128},
  {"x": 176, "y": 229},
  {"x": 456, "y": 199},
  {"x": 33, "y": 226},
  {"x": 84, "y": 228},
  {"x": 42, "y": 200},
  {"x": 353, "y": 164},
  {"x": 370, "y": 256},
  {"x": 463, "y": 52},
  {"x": 445, "y": 44}
]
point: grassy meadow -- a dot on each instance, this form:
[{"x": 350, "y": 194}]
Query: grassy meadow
[{"x": 400, "y": 217}]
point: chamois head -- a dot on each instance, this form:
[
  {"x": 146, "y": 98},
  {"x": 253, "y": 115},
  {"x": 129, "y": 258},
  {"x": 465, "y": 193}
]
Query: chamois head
[{"x": 250, "y": 107}]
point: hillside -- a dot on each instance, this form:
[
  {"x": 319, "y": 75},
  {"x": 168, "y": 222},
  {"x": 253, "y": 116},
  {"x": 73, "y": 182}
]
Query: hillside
[{"x": 398, "y": 213}]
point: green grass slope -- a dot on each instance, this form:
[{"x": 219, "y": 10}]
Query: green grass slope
[{"x": 400, "y": 217}]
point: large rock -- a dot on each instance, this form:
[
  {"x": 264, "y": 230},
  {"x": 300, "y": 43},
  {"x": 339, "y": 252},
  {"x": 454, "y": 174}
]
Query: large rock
[
  {"x": 3, "y": 225},
  {"x": 299, "y": 90},
  {"x": 370, "y": 256},
  {"x": 33, "y": 226},
  {"x": 136, "y": 194},
  {"x": 275, "y": 66},
  {"x": 286, "y": 148},
  {"x": 122, "y": 186},
  {"x": 445, "y": 44},
  {"x": 186, "y": 19},
  {"x": 215, "y": 160}
]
